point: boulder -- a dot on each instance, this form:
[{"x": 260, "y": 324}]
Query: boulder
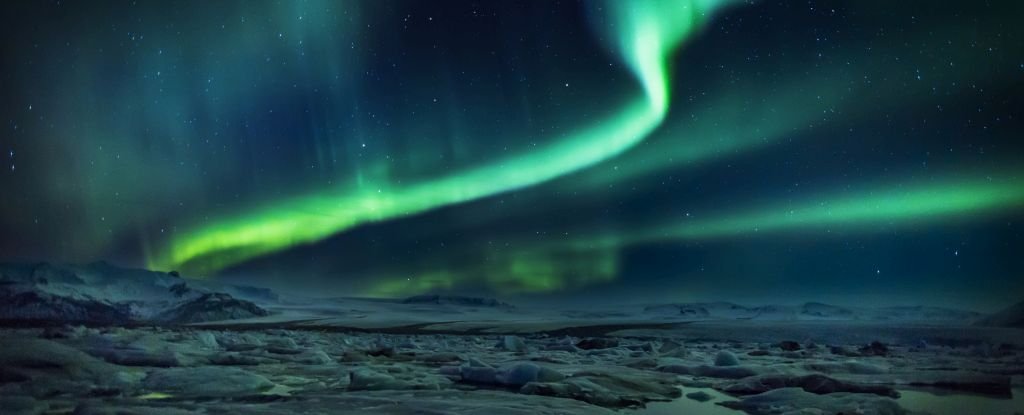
[
  {"x": 206, "y": 381},
  {"x": 876, "y": 348},
  {"x": 520, "y": 374},
  {"x": 513, "y": 344},
  {"x": 726, "y": 358},
  {"x": 814, "y": 383},
  {"x": 597, "y": 343},
  {"x": 699, "y": 396},
  {"x": 796, "y": 400}
]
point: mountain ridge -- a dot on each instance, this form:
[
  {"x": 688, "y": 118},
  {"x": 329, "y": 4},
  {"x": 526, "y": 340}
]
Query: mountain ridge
[
  {"x": 811, "y": 311},
  {"x": 103, "y": 293}
]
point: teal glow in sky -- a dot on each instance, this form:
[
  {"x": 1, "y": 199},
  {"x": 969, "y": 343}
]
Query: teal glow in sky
[
  {"x": 648, "y": 32},
  {"x": 894, "y": 206},
  {"x": 649, "y": 147}
]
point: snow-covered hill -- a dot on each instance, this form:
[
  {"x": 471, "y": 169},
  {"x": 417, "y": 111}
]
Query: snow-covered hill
[
  {"x": 1012, "y": 316},
  {"x": 809, "y": 312},
  {"x": 103, "y": 293}
]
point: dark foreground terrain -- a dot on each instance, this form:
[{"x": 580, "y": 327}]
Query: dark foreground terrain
[
  {"x": 649, "y": 369},
  {"x": 97, "y": 339}
]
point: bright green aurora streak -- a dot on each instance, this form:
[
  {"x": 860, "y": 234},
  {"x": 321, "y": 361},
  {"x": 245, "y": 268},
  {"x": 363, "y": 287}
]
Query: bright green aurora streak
[
  {"x": 647, "y": 33},
  {"x": 863, "y": 210},
  {"x": 910, "y": 204}
]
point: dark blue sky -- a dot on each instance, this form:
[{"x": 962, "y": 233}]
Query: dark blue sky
[{"x": 853, "y": 152}]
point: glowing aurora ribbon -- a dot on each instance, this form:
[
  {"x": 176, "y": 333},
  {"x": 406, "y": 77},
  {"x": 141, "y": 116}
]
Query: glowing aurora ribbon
[{"x": 646, "y": 34}]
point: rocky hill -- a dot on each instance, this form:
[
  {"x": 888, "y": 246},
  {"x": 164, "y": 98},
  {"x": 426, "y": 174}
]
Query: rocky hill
[{"x": 102, "y": 293}]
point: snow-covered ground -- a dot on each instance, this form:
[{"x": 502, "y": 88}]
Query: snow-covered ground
[
  {"x": 467, "y": 314},
  {"x": 703, "y": 367},
  {"x": 447, "y": 354}
]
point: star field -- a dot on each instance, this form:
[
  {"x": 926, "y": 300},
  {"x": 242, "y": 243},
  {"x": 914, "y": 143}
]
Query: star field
[{"x": 664, "y": 149}]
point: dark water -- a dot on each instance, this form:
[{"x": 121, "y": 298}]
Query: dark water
[
  {"x": 938, "y": 403},
  {"x": 918, "y": 401},
  {"x": 686, "y": 405}
]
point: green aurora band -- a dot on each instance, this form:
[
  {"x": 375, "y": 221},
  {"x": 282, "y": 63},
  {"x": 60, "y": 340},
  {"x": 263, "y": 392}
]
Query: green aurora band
[
  {"x": 894, "y": 204},
  {"x": 531, "y": 268},
  {"x": 901, "y": 206},
  {"x": 596, "y": 255},
  {"x": 647, "y": 33}
]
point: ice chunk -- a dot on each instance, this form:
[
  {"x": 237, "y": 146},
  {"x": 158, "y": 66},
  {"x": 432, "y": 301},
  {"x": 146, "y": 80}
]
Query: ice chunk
[{"x": 726, "y": 358}]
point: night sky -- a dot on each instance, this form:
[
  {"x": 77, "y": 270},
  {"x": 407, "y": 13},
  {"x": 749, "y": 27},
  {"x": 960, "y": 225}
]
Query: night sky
[{"x": 856, "y": 152}]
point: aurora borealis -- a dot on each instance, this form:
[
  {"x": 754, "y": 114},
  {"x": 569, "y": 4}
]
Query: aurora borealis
[
  {"x": 647, "y": 32},
  {"x": 671, "y": 149}
]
